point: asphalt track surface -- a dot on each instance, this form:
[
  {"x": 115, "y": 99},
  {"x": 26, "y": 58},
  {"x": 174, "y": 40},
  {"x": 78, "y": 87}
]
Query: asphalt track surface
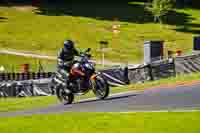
[{"x": 160, "y": 99}]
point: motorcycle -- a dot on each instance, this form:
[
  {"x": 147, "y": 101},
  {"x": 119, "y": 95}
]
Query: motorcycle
[{"x": 82, "y": 78}]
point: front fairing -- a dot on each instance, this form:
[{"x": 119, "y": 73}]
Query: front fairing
[{"x": 89, "y": 68}]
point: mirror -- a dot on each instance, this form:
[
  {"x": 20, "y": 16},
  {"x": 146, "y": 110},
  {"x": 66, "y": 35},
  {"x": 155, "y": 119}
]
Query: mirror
[
  {"x": 88, "y": 50},
  {"x": 89, "y": 56}
]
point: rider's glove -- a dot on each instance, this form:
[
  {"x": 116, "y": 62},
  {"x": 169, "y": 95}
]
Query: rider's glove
[{"x": 60, "y": 62}]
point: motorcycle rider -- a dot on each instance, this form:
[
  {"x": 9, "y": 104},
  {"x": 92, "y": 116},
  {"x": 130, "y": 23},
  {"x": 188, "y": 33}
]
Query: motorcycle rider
[{"x": 66, "y": 58}]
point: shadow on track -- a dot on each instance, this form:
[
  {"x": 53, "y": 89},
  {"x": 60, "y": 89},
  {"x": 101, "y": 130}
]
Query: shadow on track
[{"x": 123, "y": 96}]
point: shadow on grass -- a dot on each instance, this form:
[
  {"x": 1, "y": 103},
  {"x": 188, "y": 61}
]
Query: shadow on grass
[
  {"x": 183, "y": 22},
  {"x": 195, "y": 4},
  {"x": 99, "y": 10},
  {"x": 124, "y": 11},
  {"x": 178, "y": 18},
  {"x": 2, "y": 19},
  {"x": 188, "y": 30}
]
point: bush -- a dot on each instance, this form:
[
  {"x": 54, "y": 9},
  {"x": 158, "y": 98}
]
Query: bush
[{"x": 161, "y": 8}]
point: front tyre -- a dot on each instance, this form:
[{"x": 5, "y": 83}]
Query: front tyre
[
  {"x": 100, "y": 87},
  {"x": 63, "y": 96}
]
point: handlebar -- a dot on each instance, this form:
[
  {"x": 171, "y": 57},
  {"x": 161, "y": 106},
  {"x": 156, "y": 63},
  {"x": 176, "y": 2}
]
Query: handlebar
[{"x": 85, "y": 53}]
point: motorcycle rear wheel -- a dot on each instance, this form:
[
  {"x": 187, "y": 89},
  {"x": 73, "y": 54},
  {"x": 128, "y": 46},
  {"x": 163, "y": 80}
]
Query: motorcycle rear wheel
[{"x": 65, "y": 98}]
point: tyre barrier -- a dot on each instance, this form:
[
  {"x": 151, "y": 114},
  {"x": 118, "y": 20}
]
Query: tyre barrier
[
  {"x": 24, "y": 76},
  {"x": 25, "y": 88},
  {"x": 117, "y": 76},
  {"x": 32, "y": 84}
]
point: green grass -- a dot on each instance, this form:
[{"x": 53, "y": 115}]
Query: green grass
[
  {"x": 14, "y": 104},
  {"x": 43, "y": 30},
  {"x": 13, "y": 63},
  {"x": 179, "y": 79},
  {"x": 169, "y": 122}
]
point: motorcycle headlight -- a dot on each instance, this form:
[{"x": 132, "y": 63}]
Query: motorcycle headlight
[
  {"x": 89, "y": 66},
  {"x": 92, "y": 63}
]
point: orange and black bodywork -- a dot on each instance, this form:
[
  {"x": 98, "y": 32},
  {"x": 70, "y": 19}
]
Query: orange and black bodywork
[
  {"x": 77, "y": 72},
  {"x": 93, "y": 77}
]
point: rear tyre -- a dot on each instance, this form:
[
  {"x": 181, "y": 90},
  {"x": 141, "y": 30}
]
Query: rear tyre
[
  {"x": 63, "y": 96},
  {"x": 52, "y": 86}
]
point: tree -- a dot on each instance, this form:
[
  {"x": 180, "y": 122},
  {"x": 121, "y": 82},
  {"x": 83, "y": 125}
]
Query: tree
[{"x": 161, "y": 8}]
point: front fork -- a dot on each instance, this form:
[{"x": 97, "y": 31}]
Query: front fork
[
  {"x": 94, "y": 75},
  {"x": 61, "y": 84},
  {"x": 93, "y": 81}
]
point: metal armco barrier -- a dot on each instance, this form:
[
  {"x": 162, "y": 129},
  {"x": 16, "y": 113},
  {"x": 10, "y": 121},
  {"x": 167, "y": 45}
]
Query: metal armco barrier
[
  {"x": 23, "y": 76},
  {"x": 116, "y": 76},
  {"x": 187, "y": 64},
  {"x": 139, "y": 74},
  {"x": 162, "y": 69}
]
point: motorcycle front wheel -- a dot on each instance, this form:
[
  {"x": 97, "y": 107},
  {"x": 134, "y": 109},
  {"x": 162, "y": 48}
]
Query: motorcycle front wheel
[
  {"x": 100, "y": 87},
  {"x": 63, "y": 96}
]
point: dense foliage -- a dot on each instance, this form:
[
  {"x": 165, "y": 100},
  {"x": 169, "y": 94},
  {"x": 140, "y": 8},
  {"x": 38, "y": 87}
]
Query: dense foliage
[{"x": 161, "y": 8}]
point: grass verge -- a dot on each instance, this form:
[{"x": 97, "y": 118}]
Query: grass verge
[
  {"x": 42, "y": 29},
  {"x": 13, "y": 63},
  {"x": 14, "y": 104},
  {"x": 169, "y": 122}
]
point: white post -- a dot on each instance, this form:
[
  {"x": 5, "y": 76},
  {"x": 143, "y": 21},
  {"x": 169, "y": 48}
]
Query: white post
[
  {"x": 103, "y": 59},
  {"x": 2, "y": 69}
]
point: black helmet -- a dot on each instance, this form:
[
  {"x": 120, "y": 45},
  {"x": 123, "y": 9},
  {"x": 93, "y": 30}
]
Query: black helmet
[{"x": 68, "y": 44}]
